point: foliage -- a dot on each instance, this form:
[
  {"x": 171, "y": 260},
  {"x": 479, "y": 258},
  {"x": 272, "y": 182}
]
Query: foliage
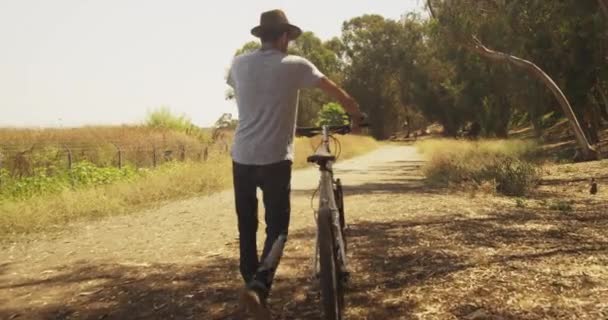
[
  {"x": 332, "y": 114},
  {"x": 225, "y": 121},
  {"x": 422, "y": 70},
  {"x": 508, "y": 164},
  {"x": 165, "y": 119},
  {"x": 52, "y": 180}
]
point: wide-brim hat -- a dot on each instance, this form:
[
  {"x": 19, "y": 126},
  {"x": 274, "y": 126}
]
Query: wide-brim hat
[{"x": 276, "y": 20}]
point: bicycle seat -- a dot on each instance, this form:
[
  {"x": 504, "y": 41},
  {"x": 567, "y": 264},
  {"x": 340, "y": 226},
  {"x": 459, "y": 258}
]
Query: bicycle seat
[{"x": 321, "y": 157}]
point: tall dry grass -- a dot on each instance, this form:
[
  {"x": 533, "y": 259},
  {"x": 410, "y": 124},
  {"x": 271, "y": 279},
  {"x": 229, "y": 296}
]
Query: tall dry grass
[
  {"x": 171, "y": 181},
  {"x": 21, "y": 150},
  {"x": 350, "y": 146},
  {"x": 508, "y": 165}
]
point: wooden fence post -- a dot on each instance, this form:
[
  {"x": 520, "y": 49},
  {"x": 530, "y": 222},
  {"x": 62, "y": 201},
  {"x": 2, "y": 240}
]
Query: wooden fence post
[
  {"x": 182, "y": 153},
  {"x": 154, "y": 157},
  {"x": 69, "y": 154},
  {"x": 119, "y": 156},
  {"x": 206, "y": 153}
]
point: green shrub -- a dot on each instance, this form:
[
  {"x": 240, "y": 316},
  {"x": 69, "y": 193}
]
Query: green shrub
[
  {"x": 51, "y": 180},
  {"x": 332, "y": 114},
  {"x": 164, "y": 118}
]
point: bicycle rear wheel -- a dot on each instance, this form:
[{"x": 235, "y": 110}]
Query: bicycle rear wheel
[{"x": 332, "y": 294}]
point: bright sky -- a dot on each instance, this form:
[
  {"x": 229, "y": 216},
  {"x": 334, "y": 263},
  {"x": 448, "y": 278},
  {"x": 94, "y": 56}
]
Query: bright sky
[{"x": 77, "y": 62}]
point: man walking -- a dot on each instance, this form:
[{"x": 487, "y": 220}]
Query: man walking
[{"x": 266, "y": 84}]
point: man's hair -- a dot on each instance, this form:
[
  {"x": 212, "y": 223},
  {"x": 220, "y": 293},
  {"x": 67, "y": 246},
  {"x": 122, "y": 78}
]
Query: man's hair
[{"x": 272, "y": 35}]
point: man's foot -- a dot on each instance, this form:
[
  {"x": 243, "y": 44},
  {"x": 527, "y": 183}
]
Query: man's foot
[{"x": 253, "y": 300}]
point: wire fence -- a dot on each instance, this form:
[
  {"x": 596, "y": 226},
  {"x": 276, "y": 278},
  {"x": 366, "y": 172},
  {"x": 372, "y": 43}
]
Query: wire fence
[{"x": 23, "y": 160}]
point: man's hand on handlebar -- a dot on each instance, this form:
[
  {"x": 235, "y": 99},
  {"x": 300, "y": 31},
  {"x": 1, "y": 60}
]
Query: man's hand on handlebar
[{"x": 356, "y": 121}]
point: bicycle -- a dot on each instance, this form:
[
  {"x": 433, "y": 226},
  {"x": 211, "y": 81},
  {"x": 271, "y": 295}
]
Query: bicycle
[{"x": 330, "y": 244}]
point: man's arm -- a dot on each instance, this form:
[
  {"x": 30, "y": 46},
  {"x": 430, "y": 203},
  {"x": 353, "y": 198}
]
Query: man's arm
[{"x": 348, "y": 103}]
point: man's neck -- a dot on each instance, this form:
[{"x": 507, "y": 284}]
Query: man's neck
[{"x": 270, "y": 46}]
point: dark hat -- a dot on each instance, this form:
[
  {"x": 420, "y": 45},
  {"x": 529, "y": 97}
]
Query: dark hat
[{"x": 276, "y": 20}]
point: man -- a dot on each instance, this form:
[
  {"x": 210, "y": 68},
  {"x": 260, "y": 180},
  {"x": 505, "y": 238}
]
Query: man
[{"x": 266, "y": 84}]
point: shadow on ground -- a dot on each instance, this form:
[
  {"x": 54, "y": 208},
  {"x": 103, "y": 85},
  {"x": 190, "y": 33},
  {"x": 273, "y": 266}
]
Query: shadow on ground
[
  {"x": 389, "y": 259},
  {"x": 402, "y": 269}
]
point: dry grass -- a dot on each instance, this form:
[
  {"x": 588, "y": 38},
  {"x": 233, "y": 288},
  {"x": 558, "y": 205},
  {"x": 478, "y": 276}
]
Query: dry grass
[
  {"x": 23, "y": 149},
  {"x": 120, "y": 135},
  {"x": 506, "y": 165},
  {"x": 171, "y": 181},
  {"x": 351, "y": 146}
]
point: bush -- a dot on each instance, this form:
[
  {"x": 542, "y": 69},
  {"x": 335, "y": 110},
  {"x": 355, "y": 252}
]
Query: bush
[
  {"x": 506, "y": 164},
  {"x": 164, "y": 118},
  {"x": 332, "y": 114},
  {"x": 45, "y": 181}
]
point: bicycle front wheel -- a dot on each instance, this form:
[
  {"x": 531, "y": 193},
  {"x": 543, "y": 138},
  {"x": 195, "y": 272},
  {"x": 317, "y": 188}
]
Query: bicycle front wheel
[{"x": 332, "y": 295}]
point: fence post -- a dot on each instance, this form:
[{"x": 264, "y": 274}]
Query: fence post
[
  {"x": 153, "y": 157},
  {"x": 206, "y": 153},
  {"x": 182, "y": 153},
  {"x": 69, "y": 153},
  {"x": 119, "y": 156}
]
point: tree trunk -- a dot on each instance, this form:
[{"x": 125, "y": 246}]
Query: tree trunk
[
  {"x": 588, "y": 153},
  {"x": 602, "y": 102},
  {"x": 604, "y": 7}
]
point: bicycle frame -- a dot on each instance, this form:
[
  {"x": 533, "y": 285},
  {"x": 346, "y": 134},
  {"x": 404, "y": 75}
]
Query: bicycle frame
[{"x": 327, "y": 204}]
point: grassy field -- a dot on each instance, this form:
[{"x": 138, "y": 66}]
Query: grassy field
[
  {"x": 56, "y": 200},
  {"x": 23, "y": 150}
]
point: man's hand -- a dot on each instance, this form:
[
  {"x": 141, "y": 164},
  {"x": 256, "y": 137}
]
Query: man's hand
[
  {"x": 348, "y": 103},
  {"x": 356, "y": 120}
]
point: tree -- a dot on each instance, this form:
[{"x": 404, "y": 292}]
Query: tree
[
  {"x": 452, "y": 9},
  {"x": 332, "y": 114},
  {"x": 380, "y": 54}
]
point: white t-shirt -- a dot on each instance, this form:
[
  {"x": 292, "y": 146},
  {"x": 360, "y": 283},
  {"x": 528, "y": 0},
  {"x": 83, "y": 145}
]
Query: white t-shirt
[{"x": 266, "y": 84}]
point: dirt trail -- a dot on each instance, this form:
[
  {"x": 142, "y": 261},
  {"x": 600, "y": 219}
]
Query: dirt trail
[{"x": 416, "y": 253}]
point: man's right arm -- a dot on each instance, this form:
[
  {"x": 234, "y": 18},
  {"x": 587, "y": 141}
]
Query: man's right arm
[{"x": 348, "y": 103}]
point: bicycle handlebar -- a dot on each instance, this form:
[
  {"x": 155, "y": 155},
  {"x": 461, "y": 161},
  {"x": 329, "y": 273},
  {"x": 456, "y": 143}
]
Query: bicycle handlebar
[
  {"x": 343, "y": 129},
  {"x": 314, "y": 131}
]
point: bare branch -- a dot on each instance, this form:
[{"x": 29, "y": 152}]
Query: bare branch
[
  {"x": 589, "y": 153},
  {"x": 431, "y": 10},
  {"x": 604, "y": 7}
]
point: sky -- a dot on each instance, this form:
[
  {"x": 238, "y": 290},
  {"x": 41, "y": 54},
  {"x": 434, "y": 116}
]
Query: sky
[{"x": 66, "y": 63}]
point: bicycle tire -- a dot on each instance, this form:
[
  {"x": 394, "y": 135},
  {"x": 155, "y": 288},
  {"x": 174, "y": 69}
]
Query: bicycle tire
[
  {"x": 332, "y": 295},
  {"x": 339, "y": 198}
]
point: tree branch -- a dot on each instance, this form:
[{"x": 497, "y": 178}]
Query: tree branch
[
  {"x": 604, "y": 7},
  {"x": 588, "y": 151},
  {"x": 432, "y": 11}
]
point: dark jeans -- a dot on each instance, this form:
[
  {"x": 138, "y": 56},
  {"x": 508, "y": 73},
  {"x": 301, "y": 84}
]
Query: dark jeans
[{"x": 275, "y": 182}]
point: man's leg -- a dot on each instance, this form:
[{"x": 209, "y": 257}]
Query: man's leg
[
  {"x": 276, "y": 186},
  {"x": 246, "y": 201}
]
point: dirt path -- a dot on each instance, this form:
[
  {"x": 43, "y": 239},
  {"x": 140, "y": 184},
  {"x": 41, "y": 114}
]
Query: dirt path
[{"x": 416, "y": 253}]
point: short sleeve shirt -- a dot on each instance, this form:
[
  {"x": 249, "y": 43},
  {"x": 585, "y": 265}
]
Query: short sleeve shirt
[{"x": 266, "y": 85}]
